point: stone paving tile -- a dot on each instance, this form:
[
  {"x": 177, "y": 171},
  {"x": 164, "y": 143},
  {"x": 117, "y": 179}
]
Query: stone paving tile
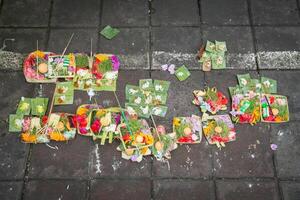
[
  {"x": 274, "y": 12},
  {"x": 183, "y": 189},
  {"x": 287, "y": 138},
  {"x": 291, "y": 190},
  {"x": 120, "y": 189},
  {"x": 231, "y": 13},
  {"x": 180, "y": 103},
  {"x": 106, "y": 161},
  {"x": 278, "y": 38},
  {"x": 175, "y": 45},
  {"x": 12, "y": 88},
  {"x": 246, "y": 190},
  {"x": 192, "y": 161},
  {"x": 81, "y": 41},
  {"x": 286, "y": 86},
  {"x": 10, "y": 190},
  {"x": 125, "y": 13},
  {"x": 131, "y": 45},
  {"x": 53, "y": 189},
  {"x": 70, "y": 13},
  {"x": 238, "y": 38},
  {"x": 13, "y": 156},
  {"x": 249, "y": 156},
  {"x": 239, "y": 43},
  {"x": 71, "y": 160},
  {"x": 34, "y": 13},
  {"x": 25, "y": 39},
  {"x": 169, "y": 12},
  {"x": 278, "y": 47}
]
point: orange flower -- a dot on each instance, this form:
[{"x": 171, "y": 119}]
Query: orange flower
[
  {"x": 82, "y": 110},
  {"x": 29, "y": 138},
  {"x": 56, "y": 136},
  {"x": 39, "y": 54},
  {"x": 101, "y": 57}
]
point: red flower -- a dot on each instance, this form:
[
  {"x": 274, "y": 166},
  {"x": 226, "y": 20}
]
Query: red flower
[
  {"x": 81, "y": 120},
  {"x": 270, "y": 118},
  {"x": 126, "y": 137},
  {"x": 44, "y": 119},
  {"x": 185, "y": 139},
  {"x": 96, "y": 126},
  {"x": 272, "y": 99}
]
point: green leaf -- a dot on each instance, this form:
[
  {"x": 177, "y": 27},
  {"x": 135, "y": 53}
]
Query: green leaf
[
  {"x": 24, "y": 106},
  {"x": 15, "y": 122},
  {"x": 109, "y": 32},
  {"x": 182, "y": 73}
]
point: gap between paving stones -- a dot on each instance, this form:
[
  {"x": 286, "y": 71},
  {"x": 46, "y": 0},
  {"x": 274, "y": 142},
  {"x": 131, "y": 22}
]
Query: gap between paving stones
[{"x": 267, "y": 60}]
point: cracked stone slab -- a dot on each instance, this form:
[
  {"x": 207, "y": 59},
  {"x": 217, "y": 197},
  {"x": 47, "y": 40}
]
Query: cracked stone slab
[
  {"x": 287, "y": 137},
  {"x": 20, "y": 13},
  {"x": 170, "y": 189},
  {"x": 11, "y": 61},
  {"x": 120, "y": 189},
  {"x": 234, "y": 60},
  {"x": 291, "y": 190},
  {"x": 232, "y": 12},
  {"x": 10, "y": 190},
  {"x": 75, "y": 13},
  {"x": 13, "y": 86},
  {"x": 188, "y": 161},
  {"x": 168, "y": 12},
  {"x": 106, "y": 161},
  {"x": 80, "y": 43},
  {"x": 131, "y": 45},
  {"x": 130, "y": 13},
  {"x": 274, "y": 12},
  {"x": 25, "y": 39},
  {"x": 247, "y": 190},
  {"x": 13, "y": 156},
  {"x": 279, "y": 60},
  {"x": 55, "y": 189},
  {"x": 69, "y": 160},
  {"x": 249, "y": 156}
]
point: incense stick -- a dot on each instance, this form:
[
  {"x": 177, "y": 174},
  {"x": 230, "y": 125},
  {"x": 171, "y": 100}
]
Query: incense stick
[
  {"x": 155, "y": 127},
  {"x": 37, "y": 58},
  {"x": 64, "y": 51}
]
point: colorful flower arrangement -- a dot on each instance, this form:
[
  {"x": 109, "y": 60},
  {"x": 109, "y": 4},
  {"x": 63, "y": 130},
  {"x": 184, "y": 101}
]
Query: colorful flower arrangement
[
  {"x": 82, "y": 119},
  {"x": 246, "y": 108},
  {"x": 97, "y": 122},
  {"x": 163, "y": 144},
  {"x": 136, "y": 138},
  {"x": 274, "y": 108},
  {"x": 33, "y": 130},
  {"x": 61, "y": 127},
  {"x": 101, "y": 75},
  {"x": 219, "y": 129},
  {"x": 104, "y": 122},
  {"x": 210, "y": 100},
  {"x": 35, "y": 67},
  {"x": 188, "y": 129},
  {"x": 61, "y": 66}
]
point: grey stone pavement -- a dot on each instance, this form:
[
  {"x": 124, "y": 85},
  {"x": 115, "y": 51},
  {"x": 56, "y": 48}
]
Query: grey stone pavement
[{"x": 263, "y": 37}]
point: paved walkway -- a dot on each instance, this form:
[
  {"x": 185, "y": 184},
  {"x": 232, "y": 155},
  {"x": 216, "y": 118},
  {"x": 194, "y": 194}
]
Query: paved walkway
[{"x": 262, "y": 36}]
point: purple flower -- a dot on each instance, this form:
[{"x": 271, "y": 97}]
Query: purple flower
[
  {"x": 134, "y": 158},
  {"x": 118, "y": 119},
  {"x": 274, "y": 147},
  {"x": 116, "y": 63}
]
